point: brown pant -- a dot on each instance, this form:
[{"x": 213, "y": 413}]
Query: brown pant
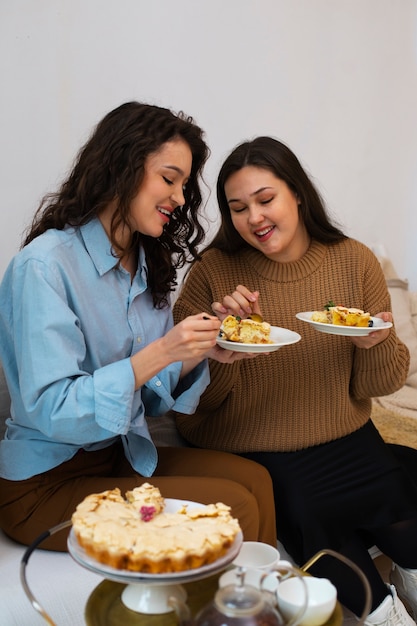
[{"x": 30, "y": 507}]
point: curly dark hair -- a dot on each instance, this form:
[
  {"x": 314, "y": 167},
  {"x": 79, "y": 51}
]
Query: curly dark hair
[
  {"x": 269, "y": 153},
  {"x": 110, "y": 167}
]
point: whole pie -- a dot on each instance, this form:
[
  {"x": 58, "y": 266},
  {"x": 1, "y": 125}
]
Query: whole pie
[{"x": 136, "y": 533}]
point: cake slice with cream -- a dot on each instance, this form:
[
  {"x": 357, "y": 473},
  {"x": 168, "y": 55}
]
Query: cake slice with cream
[{"x": 234, "y": 328}]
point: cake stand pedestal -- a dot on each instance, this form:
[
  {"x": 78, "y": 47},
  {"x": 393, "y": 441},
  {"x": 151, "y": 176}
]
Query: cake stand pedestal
[{"x": 151, "y": 598}]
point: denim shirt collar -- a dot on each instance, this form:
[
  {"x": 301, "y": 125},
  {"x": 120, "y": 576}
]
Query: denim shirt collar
[{"x": 99, "y": 248}]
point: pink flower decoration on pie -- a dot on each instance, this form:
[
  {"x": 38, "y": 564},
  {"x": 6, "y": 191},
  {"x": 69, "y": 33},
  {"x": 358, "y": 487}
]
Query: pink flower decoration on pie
[{"x": 147, "y": 513}]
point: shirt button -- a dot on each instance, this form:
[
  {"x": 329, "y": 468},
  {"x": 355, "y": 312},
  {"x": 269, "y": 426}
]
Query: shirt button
[
  {"x": 158, "y": 383},
  {"x": 138, "y": 339}
]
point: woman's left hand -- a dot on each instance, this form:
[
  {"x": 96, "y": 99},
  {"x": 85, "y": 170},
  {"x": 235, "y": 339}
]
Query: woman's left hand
[
  {"x": 229, "y": 356},
  {"x": 373, "y": 339}
]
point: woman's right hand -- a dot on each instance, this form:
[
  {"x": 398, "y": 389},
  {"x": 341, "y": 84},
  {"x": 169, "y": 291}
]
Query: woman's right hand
[
  {"x": 191, "y": 338},
  {"x": 189, "y": 341}
]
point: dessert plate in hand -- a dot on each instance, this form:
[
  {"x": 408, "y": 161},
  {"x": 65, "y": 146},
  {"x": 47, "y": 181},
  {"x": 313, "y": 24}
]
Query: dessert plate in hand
[
  {"x": 346, "y": 331},
  {"x": 279, "y": 337},
  {"x": 127, "y": 576}
]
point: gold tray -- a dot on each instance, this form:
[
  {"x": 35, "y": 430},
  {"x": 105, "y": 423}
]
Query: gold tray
[{"x": 105, "y": 606}]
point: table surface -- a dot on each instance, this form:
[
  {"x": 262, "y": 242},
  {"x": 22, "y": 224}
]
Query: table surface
[{"x": 105, "y": 606}]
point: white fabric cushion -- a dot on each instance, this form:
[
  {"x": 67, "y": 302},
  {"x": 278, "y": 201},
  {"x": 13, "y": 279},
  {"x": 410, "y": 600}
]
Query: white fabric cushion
[
  {"x": 402, "y": 312},
  {"x": 413, "y": 305},
  {"x": 59, "y": 584},
  {"x": 404, "y": 308}
]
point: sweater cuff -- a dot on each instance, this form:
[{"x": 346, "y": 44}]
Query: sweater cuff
[{"x": 381, "y": 370}]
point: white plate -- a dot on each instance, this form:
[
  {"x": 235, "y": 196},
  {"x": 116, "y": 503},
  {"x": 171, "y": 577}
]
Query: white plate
[
  {"x": 346, "y": 331},
  {"x": 279, "y": 336},
  {"x": 126, "y": 576}
]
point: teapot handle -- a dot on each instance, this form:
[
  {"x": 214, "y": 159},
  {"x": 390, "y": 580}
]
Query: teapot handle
[
  {"x": 181, "y": 610},
  {"x": 355, "y": 568}
]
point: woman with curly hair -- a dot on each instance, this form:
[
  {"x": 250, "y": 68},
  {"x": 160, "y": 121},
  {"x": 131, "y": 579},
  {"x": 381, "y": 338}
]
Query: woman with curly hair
[{"x": 88, "y": 343}]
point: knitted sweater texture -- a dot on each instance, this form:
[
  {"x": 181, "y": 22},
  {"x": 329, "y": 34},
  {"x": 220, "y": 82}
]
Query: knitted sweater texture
[{"x": 307, "y": 393}]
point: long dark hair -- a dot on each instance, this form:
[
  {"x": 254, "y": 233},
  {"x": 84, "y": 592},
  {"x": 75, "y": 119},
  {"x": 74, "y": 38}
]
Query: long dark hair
[
  {"x": 269, "y": 153},
  {"x": 110, "y": 167}
]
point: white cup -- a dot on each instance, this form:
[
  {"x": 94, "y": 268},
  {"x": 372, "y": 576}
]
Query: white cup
[
  {"x": 258, "y": 562},
  {"x": 322, "y": 596},
  {"x": 256, "y": 555}
]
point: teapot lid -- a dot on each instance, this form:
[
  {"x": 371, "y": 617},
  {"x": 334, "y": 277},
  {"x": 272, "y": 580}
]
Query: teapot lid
[{"x": 239, "y": 600}]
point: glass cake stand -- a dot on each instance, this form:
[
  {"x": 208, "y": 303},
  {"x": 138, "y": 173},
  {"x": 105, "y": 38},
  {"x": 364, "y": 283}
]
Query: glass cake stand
[{"x": 149, "y": 593}]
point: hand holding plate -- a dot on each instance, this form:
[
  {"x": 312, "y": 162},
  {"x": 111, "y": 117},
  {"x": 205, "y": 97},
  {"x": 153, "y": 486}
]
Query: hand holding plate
[{"x": 374, "y": 338}]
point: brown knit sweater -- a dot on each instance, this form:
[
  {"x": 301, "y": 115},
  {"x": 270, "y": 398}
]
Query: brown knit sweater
[{"x": 307, "y": 393}]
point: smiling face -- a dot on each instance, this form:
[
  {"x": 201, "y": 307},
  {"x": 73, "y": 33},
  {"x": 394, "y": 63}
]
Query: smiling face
[
  {"x": 162, "y": 189},
  {"x": 264, "y": 211}
]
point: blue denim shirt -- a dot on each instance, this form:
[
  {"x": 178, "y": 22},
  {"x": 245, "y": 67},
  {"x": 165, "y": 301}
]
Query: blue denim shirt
[{"x": 70, "y": 319}]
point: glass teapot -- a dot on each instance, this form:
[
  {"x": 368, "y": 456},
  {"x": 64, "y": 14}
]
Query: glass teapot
[{"x": 240, "y": 604}]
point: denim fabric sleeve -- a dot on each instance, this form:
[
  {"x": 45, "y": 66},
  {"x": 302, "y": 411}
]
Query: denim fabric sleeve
[{"x": 59, "y": 396}]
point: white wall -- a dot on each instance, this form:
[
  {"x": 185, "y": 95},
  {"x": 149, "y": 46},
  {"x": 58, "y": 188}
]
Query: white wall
[{"x": 335, "y": 79}]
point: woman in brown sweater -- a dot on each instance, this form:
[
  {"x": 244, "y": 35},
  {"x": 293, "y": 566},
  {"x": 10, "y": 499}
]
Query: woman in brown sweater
[{"x": 304, "y": 411}]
